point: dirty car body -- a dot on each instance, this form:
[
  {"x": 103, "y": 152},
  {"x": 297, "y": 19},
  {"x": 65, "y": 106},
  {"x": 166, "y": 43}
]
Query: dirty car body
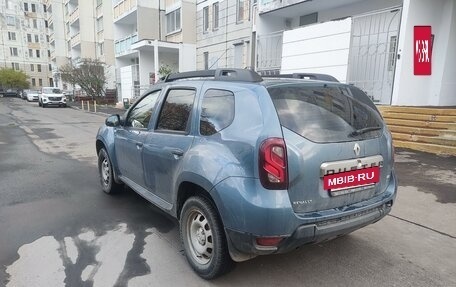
[{"x": 280, "y": 162}]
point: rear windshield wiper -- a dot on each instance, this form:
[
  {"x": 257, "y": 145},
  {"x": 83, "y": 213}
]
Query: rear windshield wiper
[{"x": 363, "y": 131}]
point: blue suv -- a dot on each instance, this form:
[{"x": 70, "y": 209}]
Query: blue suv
[{"x": 250, "y": 165}]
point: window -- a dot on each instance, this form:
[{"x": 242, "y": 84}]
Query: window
[
  {"x": 37, "y": 53},
  {"x": 15, "y": 66},
  {"x": 44, "y": 8},
  {"x": 29, "y": 38},
  {"x": 13, "y": 51},
  {"x": 215, "y": 16},
  {"x": 142, "y": 112},
  {"x": 46, "y": 24},
  {"x": 51, "y": 82},
  {"x": 38, "y": 67},
  {"x": 12, "y": 36},
  {"x": 47, "y": 38},
  {"x": 206, "y": 60},
  {"x": 35, "y": 24},
  {"x": 33, "y": 8},
  {"x": 176, "y": 110},
  {"x": 49, "y": 53},
  {"x": 50, "y": 67},
  {"x": 240, "y": 12},
  {"x": 101, "y": 48},
  {"x": 217, "y": 111},
  {"x": 308, "y": 19},
  {"x": 40, "y": 82},
  {"x": 205, "y": 19},
  {"x": 10, "y": 21},
  {"x": 30, "y": 53},
  {"x": 33, "y": 82},
  {"x": 37, "y": 40},
  {"x": 32, "y": 67},
  {"x": 173, "y": 21},
  {"x": 325, "y": 114},
  {"x": 26, "y": 7},
  {"x": 100, "y": 24}
]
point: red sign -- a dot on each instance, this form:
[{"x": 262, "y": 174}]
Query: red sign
[
  {"x": 422, "y": 50},
  {"x": 353, "y": 178}
]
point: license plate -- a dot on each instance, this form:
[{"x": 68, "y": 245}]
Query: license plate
[{"x": 352, "y": 179}]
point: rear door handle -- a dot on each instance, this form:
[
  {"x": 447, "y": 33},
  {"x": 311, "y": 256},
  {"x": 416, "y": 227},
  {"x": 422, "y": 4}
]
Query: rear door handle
[
  {"x": 139, "y": 145},
  {"x": 177, "y": 152}
]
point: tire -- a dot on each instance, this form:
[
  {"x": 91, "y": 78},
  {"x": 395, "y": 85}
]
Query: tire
[
  {"x": 39, "y": 104},
  {"x": 43, "y": 105},
  {"x": 108, "y": 184},
  {"x": 203, "y": 238}
]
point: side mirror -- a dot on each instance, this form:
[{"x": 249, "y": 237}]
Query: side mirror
[{"x": 113, "y": 121}]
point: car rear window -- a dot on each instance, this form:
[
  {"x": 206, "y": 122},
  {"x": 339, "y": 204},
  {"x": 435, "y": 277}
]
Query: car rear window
[{"x": 325, "y": 113}]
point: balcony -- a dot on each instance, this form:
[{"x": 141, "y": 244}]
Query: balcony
[
  {"x": 52, "y": 38},
  {"x": 76, "y": 40},
  {"x": 52, "y": 55},
  {"x": 123, "y": 46},
  {"x": 123, "y": 8},
  {"x": 74, "y": 17},
  {"x": 269, "y": 49},
  {"x": 99, "y": 10}
]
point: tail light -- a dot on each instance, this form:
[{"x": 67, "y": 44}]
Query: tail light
[{"x": 273, "y": 164}]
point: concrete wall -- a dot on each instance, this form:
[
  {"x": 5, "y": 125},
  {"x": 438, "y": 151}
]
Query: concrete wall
[
  {"x": 438, "y": 88},
  {"x": 148, "y": 20},
  {"x": 318, "y": 48},
  {"x": 187, "y": 58},
  {"x": 146, "y": 66}
]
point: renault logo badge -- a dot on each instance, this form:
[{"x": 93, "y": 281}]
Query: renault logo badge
[{"x": 357, "y": 149}]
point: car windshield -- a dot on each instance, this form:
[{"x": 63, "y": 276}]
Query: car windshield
[
  {"x": 52, "y": 91},
  {"x": 325, "y": 113}
]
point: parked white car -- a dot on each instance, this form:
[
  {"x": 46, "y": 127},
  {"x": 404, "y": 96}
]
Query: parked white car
[
  {"x": 32, "y": 95},
  {"x": 51, "y": 96}
]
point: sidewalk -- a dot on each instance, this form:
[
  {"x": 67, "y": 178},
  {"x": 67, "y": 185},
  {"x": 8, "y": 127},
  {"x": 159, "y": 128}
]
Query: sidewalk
[
  {"x": 427, "y": 190},
  {"x": 101, "y": 109}
]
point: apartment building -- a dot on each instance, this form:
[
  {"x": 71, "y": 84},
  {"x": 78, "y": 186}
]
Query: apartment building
[
  {"x": 23, "y": 42},
  {"x": 224, "y": 34},
  {"x": 80, "y": 29},
  {"x": 149, "y": 35}
]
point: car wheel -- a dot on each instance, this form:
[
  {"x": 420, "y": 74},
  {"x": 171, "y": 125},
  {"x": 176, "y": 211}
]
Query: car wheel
[
  {"x": 43, "y": 105},
  {"x": 204, "y": 239},
  {"x": 108, "y": 185},
  {"x": 39, "y": 104}
]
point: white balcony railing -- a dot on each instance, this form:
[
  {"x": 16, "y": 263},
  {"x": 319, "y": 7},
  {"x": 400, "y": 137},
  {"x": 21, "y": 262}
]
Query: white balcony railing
[
  {"x": 123, "y": 7},
  {"x": 76, "y": 40}
]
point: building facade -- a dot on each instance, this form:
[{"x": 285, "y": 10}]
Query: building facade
[
  {"x": 148, "y": 36},
  {"x": 224, "y": 34},
  {"x": 23, "y": 42}
]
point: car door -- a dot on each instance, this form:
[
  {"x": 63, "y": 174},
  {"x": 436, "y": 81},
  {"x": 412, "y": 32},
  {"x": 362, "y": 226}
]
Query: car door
[
  {"x": 129, "y": 138},
  {"x": 165, "y": 148}
]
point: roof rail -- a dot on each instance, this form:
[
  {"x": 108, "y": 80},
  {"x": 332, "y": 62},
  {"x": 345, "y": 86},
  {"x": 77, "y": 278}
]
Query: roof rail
[
  {"x": 311, "y": 76},
  {"x": 242, "y": 75}
]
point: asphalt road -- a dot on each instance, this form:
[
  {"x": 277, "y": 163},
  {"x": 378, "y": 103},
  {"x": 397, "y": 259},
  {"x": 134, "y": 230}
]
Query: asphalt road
[{"x": 57, "y": 228}]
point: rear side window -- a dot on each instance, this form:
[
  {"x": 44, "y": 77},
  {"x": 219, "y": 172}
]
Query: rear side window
[
  {"x": 176, "y": 110},
  {"x": 217, "y": 111},
  {"x": 325, "y": 113}
]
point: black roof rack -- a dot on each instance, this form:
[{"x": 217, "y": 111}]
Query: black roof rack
[
  {"x": 243, "y": 75},
  {"x": 311, "y": 76}
]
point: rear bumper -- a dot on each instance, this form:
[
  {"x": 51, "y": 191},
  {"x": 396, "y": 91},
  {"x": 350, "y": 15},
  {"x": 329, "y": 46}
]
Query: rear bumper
[{"x": 315, "y": 227}]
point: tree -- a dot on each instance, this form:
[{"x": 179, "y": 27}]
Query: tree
[
  {"x": 10, "y": 78},
  {"x": 88, "y": 74},
  {"x": 164, "y": 71}
]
